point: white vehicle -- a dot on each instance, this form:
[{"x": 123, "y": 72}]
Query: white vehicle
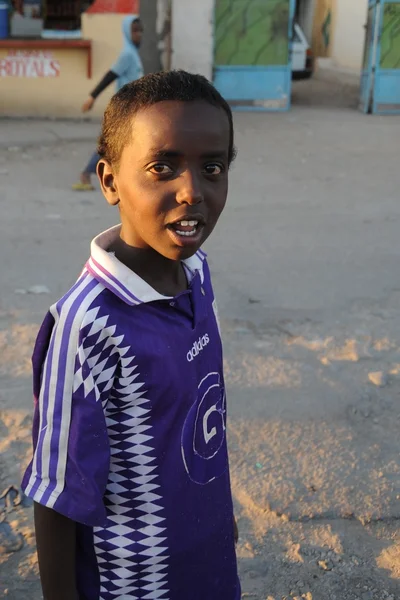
[{"x": 302, "y": 55}]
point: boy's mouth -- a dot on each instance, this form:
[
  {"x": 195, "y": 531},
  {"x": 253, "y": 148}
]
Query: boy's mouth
[
  {"x": 186, "y": 228},
  {"x": 187, "y": 231}
]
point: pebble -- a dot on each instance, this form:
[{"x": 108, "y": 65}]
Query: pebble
[
  {"x": 34, "y": 289},
  {"x": 38, "y": 289},
  {"x": 252, "y": 574},
  {"x": 285, "y": 517},
  {"x": 325, "y": 565},
  {"x": 378, "y": 378}
]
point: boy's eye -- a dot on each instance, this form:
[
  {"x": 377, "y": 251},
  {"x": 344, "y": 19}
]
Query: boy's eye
[
  {"x": 160, "y": 169},
  {"x": 214, "y": 169}
]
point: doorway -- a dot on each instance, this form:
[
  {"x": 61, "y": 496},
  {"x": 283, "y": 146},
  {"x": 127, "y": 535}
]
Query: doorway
[
  {"x": 252, "y": 66},
  {"x": 380, "y": 81}
]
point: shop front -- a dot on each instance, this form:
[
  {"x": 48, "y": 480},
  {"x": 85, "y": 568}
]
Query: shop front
[{"x": 55, "y": 50}]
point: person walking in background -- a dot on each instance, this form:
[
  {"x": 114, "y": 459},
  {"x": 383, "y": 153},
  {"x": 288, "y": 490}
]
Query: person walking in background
[{"x": 127, "y": 68}]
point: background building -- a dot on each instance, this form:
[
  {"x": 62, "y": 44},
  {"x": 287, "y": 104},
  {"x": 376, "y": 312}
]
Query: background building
[
  {"x": 242, "y": 46},
  {"x": 57, "y": 51}
]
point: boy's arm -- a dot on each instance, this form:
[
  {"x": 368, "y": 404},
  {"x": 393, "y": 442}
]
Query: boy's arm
[
  {"x": 69, "y": 428},
  {"x": 56, "y": 542},
  {"x": 108, "y": 78}
]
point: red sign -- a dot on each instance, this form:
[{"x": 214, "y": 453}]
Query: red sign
[
  {"x": 127, "y": 7},
  {"x": 29, "y": 63}
]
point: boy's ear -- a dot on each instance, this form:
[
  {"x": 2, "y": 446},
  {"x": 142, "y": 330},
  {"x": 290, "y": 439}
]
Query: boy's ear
[{"x": 106, "y": 177}]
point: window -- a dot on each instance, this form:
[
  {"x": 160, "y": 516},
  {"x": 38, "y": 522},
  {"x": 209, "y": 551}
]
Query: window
[
  {"x": 50, "y": 19},
  {"x": 62, "y": 15}
]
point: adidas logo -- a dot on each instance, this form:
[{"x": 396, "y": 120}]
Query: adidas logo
[{"x": 197, "y": 347}]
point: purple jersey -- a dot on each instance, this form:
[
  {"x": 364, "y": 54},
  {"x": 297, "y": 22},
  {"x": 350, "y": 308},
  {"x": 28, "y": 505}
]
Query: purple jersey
[{"x": 129, "y": 434}]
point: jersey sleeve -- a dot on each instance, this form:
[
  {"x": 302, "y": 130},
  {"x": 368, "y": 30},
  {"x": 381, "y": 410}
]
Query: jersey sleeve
[
  {"x": 73, "y": 367},
  {"x": 108, "y": 78}
]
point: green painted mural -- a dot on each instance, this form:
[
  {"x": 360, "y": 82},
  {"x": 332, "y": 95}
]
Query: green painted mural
[
  {"x": 390, "y": 39},
  {"x": 251, "y": 32}
]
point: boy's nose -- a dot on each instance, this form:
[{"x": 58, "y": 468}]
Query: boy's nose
[{"x": 189, "y": 191}]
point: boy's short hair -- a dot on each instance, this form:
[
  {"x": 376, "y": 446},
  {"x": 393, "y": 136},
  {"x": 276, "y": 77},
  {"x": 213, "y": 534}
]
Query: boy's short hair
[{"x": 157, "y": 87}]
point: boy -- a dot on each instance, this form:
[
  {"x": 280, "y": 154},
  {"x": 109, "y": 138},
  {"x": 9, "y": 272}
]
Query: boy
[
  {"x": 130, "y": 472},
  {"x": 127, "y": 68}
]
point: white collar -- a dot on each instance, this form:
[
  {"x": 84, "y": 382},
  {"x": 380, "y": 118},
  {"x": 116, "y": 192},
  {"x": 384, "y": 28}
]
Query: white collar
[{"x": 120, "y": 280}]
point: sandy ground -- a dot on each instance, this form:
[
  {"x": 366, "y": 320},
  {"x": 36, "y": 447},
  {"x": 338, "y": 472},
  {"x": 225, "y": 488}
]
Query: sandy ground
[{"x": 306, "y": 269}]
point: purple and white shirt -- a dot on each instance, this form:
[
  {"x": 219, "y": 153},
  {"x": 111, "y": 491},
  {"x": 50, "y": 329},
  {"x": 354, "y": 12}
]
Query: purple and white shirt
[{"x": 129, "y": 434}]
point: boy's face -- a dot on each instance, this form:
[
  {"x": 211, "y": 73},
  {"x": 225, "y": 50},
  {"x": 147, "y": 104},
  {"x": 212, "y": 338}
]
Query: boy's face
[
  {"x": 136, "y": 32},
  {"x": 172, "y": 180}
]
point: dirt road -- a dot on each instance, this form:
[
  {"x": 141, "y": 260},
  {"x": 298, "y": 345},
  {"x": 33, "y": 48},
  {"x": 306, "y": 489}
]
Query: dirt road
[{"x": 307, "y": 272}]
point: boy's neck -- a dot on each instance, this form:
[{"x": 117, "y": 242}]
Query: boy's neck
[{"x": 166, "y": 276}]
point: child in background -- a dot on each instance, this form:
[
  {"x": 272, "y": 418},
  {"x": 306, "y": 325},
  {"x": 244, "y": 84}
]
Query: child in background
[
  {"x": 130, "y": 473},
  {"x": 127, "y": 68}
]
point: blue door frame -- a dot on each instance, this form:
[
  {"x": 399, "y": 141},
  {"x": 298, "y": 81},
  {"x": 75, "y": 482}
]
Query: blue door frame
[
  {"x": 386, "y": 99},
  {"x": 380, "y": 79},
  {"x": 368, "y": 68},
  {"x": 252, "y": 53}
]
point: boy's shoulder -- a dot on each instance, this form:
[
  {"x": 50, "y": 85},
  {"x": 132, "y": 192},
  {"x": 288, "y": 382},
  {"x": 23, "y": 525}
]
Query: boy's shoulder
[
  {"x": 80, "y": 299},
  {"x": 73, "y": 325},
  {"x": 86, "y": 300}
]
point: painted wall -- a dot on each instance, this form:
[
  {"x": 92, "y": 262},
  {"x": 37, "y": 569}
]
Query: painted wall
[
  {"x": 192, "y": 36},
  {"x": 324, "y": 22},
  {"x": 63, "y": 96},
  {"x": 349, "y": 33}
]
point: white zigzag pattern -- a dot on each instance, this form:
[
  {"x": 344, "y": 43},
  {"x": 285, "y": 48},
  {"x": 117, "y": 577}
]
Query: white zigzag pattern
[{"x": 118, "y": 570}]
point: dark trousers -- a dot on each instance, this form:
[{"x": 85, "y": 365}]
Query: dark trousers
[{"x": 92, "y": 164}]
